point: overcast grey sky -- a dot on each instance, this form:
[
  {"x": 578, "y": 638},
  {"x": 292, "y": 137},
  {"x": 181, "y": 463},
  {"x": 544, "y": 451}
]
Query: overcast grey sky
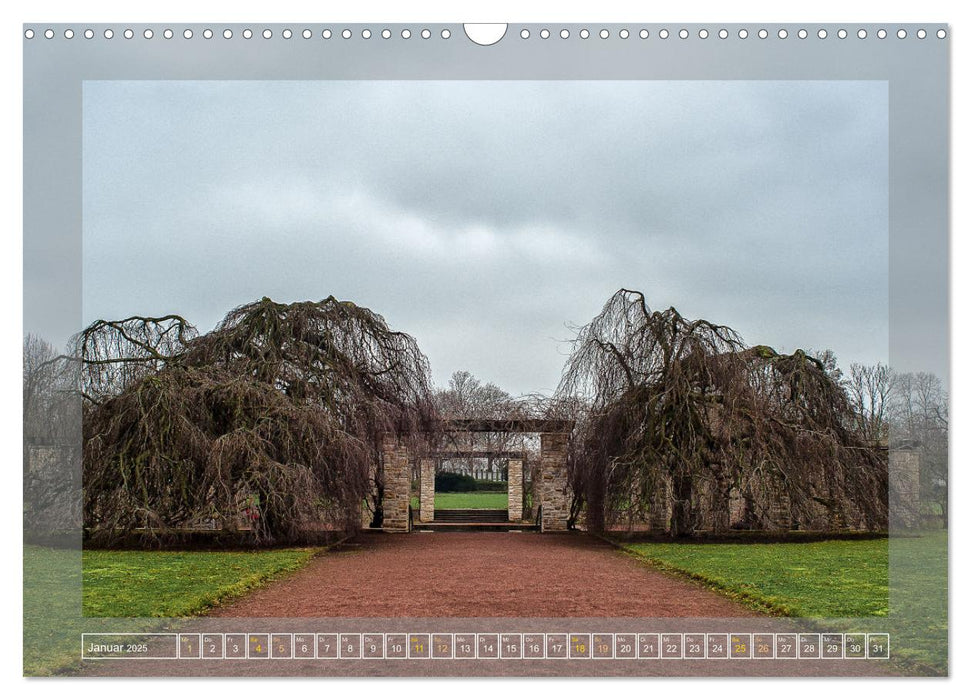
[{"x": 485, "y": 217}]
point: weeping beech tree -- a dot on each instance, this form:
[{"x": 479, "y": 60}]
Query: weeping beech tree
[
  {"x": 273, "y": 420},
  {"x": 682, "y": 412}
]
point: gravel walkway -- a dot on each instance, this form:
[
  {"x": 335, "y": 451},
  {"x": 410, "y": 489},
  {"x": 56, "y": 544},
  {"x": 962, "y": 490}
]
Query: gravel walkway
[{"x": 470, "y": 574}]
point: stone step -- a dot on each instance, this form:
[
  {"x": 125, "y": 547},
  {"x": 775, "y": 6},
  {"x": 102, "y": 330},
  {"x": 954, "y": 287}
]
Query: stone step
[
  {"x": 475, "y": 515},
  {"x": 475, "y": 527}
]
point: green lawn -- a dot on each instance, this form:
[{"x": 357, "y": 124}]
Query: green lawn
[
  {"x": 177, "y": 584},
  {"x": 473, "y": 499},
  {"x": 52, "y": 609},
  {"x": 835, "y": 578},
  {"x": 60, "y": 600},
  {"x": 831, "y": 580},
  {"x": 918, "y": 601}
]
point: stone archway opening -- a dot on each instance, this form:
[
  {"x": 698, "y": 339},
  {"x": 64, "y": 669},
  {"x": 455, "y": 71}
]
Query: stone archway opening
[
  {"x": 550, "y": 490},
  {"x": 500, "y": 467}
]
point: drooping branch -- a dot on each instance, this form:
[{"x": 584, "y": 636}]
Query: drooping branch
[
  {"x": 684, "y": 416},
  {"x": 115, "y": 354}
]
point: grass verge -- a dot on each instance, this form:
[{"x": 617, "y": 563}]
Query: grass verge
[
  {"x": 832, "y": 579},
  {"x": 64, "y": 589},
  {"x": 918, "y": 622},
  {"x": 898, "y": 585},
  {"x": 178, "y": 584},
  {"x": 52, "y": 609}
]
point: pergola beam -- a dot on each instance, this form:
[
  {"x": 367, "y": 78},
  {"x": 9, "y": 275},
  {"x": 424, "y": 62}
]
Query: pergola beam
[
  {"x": 478, "y": 454},
  {"x": 508, "y": 425}
]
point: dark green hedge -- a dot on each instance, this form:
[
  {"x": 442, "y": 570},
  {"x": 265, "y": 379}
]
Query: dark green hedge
[{"x": 450, "y": 482}]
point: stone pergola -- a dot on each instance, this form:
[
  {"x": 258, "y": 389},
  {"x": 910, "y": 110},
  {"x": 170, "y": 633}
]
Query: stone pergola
[{"x": 550, "y": 486}]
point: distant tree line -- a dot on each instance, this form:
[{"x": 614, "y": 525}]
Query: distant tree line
[
  {"x": 466, "y": 396},
  {"x": 896, "y": 408},
  {"x": 51, "y": 442}
]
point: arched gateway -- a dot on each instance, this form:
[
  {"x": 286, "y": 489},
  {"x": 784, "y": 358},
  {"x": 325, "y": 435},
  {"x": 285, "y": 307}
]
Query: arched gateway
[{"x": 551, "y": 491}]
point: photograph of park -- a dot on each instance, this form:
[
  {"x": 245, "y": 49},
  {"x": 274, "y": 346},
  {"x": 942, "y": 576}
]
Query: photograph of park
[{"x": 483, "y": 349}]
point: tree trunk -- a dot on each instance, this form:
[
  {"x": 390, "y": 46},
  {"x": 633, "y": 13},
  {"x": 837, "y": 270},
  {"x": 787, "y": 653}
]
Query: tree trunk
[
  {"x": 595, "y": 503},
  {"x": 682, "y": 513}
]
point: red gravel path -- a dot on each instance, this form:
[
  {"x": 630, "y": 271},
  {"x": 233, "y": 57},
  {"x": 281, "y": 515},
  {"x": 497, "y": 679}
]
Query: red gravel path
[
  {"x": 412, "y": 581},
  {"x": 466, "y": 574}
]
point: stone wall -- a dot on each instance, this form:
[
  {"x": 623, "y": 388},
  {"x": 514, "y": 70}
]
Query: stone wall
[
  {"x": 763, "y": 502},
  {"x": 52, "y": 489},
  {"x": 904, "y": 487},
  {"x": 396, "y": 463},
  {"x": 427, "y": 491},
  {"x": 515, "y": 481},
  {"x": 552, "y": 487}
]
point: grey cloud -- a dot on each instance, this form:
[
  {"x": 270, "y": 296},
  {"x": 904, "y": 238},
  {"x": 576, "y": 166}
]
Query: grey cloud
[{"x": 482, "y": 217}]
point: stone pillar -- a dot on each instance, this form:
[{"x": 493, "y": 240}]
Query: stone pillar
[
  {"x": 904, "y": 487},
  {"x": 397, "y": 485},
  {"x": 553, "y": 488},
  {"x": 515, "y": 480},
  {"x": 780, "y": 509},
  {"x": 427, "y": 491},
  {"x": 660, "y": 514}
]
